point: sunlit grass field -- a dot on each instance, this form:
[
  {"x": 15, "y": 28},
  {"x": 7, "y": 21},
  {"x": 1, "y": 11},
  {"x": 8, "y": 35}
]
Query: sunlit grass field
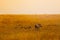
[{"x": 22, "y": 27}]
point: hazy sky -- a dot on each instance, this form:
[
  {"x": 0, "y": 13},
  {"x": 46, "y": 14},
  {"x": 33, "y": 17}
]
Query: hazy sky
[{"x": 30, "y": 6}]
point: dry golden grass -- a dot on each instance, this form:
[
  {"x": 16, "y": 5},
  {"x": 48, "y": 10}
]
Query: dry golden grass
[{"x": 22, "y": 27}]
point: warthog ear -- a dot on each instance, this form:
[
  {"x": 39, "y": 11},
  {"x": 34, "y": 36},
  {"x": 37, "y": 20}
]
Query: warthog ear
[{"x": 37, "y": 26}]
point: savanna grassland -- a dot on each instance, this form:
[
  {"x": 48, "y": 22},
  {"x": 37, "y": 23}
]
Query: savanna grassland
[{"x": 29, "y": 27}]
